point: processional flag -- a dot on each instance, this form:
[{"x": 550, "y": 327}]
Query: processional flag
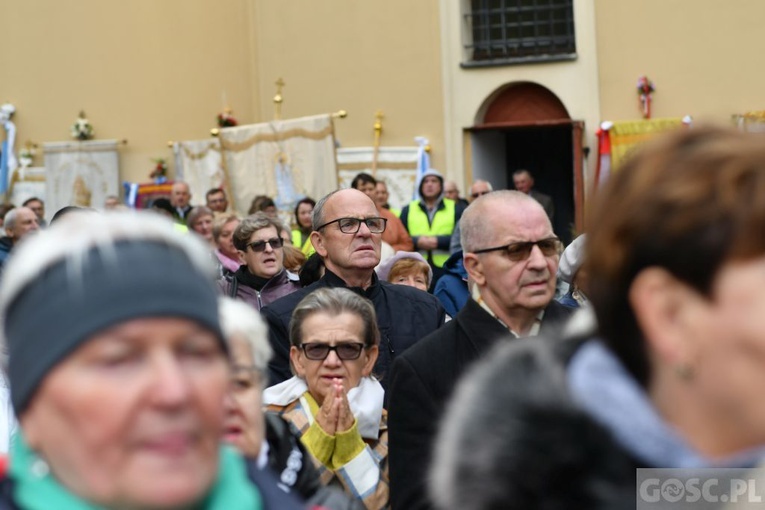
[{"x": 284, "y": 159}]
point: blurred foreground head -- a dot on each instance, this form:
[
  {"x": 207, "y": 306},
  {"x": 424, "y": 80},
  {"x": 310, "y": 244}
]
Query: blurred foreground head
[
  {"x": 672, "y": 234},
  {"x": 116, "y": 361},
  {"x": 247, "y": 337}
]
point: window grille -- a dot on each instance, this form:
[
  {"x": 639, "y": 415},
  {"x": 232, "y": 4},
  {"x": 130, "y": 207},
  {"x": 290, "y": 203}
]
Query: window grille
[{"x": 510, "y": 31}]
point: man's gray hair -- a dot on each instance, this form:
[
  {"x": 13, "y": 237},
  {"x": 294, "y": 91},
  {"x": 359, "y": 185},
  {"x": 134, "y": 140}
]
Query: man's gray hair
[
  {"x": 475, "y": 228},
  {"x": 482, "y": 181},
  {"x": 317, "y": 217},
  {"x": 252, "y": 224},
  {"x": 237, "y": 318},
  {"x": 335, "y": 301},
  {"x": 522, "y": 171},
  {"x": 10, "y": 219}
]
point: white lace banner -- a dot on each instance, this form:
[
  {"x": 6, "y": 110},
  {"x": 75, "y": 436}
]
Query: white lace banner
[
  {"x": 80, "y": 173},
  {"x": 397, "y": 166},
  {"x": 198, "y": 162},
  {"x": 283, "y": 159},
  {"x": 28, "y": 182}
]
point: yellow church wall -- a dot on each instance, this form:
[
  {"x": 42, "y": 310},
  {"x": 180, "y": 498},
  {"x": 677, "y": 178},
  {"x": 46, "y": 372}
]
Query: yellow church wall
[
  {"x": 466, "y": 90},
  {"x": 704, "y": 57},
  {"x": 356, "y": 56},
  {"x": 147, "y": 71}
]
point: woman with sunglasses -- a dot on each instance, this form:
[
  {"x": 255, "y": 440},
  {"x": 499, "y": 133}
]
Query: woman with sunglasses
[
  {"x": 333, "y": 400},
  {"x": 262, "y": 278}
]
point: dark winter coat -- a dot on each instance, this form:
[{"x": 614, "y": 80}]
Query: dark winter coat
[
  {"x": 404, "y": 316},
  {"x": 452, "y": 289},
  {"x": 421, "y": 382},
  {"x": 6, "y": 245},
  {"x": 282, "y": 284}
]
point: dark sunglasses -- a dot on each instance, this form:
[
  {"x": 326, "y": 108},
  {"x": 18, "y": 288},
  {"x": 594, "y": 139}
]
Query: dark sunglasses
[
  {"x": 259, "y": 246},
  {"x": 480, "y": 193},
  {"x": 345, "y": 351},
  {"x": 521, "y": 251},
  {"x": 352, "y": 225}
]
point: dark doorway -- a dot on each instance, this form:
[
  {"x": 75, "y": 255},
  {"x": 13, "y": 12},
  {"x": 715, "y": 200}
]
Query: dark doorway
[
  {"x": 525, "y": 125},
  {"x": 547, "y": 153}
]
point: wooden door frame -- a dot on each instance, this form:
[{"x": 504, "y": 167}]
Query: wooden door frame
[{"x": 577, "y": 133}]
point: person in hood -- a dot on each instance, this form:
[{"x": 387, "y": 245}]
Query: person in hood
[{"x": 431, "y": 220}]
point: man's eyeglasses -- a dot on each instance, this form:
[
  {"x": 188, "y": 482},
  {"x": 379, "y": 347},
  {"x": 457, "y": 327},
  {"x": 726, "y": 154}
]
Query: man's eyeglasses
[
  {"x": 345, "y": 351},
  {"x": 521, "y": 251},
  {"x": 480, "y": 193},
  {"x": 259, "y": 246},
  {"x": 352, "y": 225}
]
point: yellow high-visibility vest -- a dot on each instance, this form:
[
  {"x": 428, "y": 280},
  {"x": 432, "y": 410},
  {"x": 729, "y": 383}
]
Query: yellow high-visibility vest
[{"x": 443, "y": 225}]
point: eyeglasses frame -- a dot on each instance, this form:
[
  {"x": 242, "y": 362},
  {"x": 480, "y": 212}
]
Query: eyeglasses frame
[
  {"x": 506, "y": 247},
  {"x": 266, "y": 242},
  {"x": 360, "y": 220},
  {"x": 331, "y": 348}
]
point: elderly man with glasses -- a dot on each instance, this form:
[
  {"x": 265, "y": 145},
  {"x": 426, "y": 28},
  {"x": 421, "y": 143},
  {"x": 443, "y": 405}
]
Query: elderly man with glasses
[
  {"x": 347, "y": 233},
  {"x": 511, "y": 254}
]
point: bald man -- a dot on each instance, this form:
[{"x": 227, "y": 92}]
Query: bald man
[
  {"x": 180, "y": 196},
  {"x": 18, "y": 223},
  {"x": 511, "y": 255}
]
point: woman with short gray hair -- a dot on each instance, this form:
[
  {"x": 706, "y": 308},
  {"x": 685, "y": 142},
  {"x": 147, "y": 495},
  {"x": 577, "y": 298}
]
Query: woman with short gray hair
[{"x": 333, "y": 400}]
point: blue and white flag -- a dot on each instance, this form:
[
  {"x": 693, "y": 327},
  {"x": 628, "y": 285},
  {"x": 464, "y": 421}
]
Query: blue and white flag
[
  {"x": 423, "y": 163},
  {"x": 7, "y": 158}
]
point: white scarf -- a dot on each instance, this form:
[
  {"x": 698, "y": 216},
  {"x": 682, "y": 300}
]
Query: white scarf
[{"x": 366, "y": 401}]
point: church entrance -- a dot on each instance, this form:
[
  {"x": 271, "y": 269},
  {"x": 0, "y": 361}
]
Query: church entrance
[{"x": 525, "y": 126}]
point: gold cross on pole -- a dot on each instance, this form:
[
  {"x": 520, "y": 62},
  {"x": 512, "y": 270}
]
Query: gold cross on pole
[
  {"x": 376, "y": 147},
  {"x": 278, "y": 99}
]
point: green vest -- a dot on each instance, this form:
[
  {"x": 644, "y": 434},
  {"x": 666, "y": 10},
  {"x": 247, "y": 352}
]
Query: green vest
[
  {"x": 307, "y": 247},
  {"x": 443, "y": 225}
]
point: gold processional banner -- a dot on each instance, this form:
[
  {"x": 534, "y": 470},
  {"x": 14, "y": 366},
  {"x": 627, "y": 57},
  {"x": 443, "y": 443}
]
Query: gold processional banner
[
  {"x": 627, "y": 135},
  {"x": 80, "y": 173},
  {"x": 198, "y": 163},
  {"x": 396, "y": 166},
  {"x": 284, "y": 159}
]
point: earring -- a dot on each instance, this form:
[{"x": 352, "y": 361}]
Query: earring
[
  {"x": 39, "y": 468},
  {"x": 684, "y": 371}
]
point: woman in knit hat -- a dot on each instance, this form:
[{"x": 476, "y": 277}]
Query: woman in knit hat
[{"x": 118, "y": 371}]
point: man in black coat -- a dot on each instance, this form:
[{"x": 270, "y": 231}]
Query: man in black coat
[
  {"x": 511, "y": 255},
  {"x": 180, "y": 196},
  {"x": 347, "y": 233},
  {"x": 524, "y": 183}
]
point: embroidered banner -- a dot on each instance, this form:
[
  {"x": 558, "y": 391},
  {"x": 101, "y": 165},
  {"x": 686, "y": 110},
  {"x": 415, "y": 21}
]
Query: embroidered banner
[
  {"x": 80, "y": 173},
  {"x": 283, "y": 159},
  {"x": 28, "y": 182},
  {"x": 625, "y": 136},
  {"x": 198, "y": 163},
  {"x": 397, "y": 166}
]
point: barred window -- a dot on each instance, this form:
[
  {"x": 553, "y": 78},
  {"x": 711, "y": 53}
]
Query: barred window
[{"x": 518, "y": 31}]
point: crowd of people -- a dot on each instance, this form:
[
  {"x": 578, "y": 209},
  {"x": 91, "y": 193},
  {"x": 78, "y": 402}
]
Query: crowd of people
[{"x": 450, "y": 355}]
